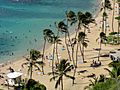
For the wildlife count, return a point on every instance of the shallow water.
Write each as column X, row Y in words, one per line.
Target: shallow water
column 22, row 22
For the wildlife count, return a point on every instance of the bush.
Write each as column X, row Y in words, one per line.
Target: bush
column 34, row 85
column 112, row 33
column 109, row 84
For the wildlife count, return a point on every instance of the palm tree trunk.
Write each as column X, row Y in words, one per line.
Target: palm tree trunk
column 76, row 33
column 53, row 58
column 81, row 52
column 103, row 24
column 105, row 20
column 57, row 47
column 57, row 52
column 74, row 75
column 67, row 47
column 68, row 33
column 76, row 54
column 44, row 49
column 73, row 63
column 62, row 83
column 113, row 16
column 77, row 30
column 30, row 70
column 73, row 56
column 69, row 38
column 99, row 51
column 43, row 55
column 118, row 23
column 84, row 30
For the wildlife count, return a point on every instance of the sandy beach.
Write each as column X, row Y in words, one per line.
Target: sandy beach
column 90, row 53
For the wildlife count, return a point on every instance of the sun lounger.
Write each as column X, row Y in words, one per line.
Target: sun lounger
column 82, row 71
column 91, row 76
column 95, row 65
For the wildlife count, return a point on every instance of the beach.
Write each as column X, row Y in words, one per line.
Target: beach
column 81, row 81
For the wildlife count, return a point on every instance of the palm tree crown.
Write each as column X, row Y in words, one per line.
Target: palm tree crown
column 61, row 70
column 33, row 62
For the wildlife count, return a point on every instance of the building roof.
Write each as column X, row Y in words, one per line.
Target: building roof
column 14, row 75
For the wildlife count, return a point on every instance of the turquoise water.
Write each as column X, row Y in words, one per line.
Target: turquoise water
column 22, row 22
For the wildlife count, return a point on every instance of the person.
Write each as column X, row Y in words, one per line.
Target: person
column 63, row 48
column 11, row 69
column 93, row 61
column 46, row 57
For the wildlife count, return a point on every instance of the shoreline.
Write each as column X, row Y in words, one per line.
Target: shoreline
column 17, row 59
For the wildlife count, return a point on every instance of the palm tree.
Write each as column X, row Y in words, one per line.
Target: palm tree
column 47, row 37
column 63, row 28
column 80, row 17
column 55, row 40
column 106, row 5
column 115, row 73
column 58, row 40
column 86, row 20
column 102, row 39
column 71, row 17
column 95, row 81
column 33, row 62
column 73, row 43
column 82, row 42
column 62, row 69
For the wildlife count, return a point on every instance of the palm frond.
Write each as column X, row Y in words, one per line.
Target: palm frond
column 87, row 87
column 58, row 82
column 41, row 63
column 37, row 67
column 68, row 76
column 26, row 63
column 50, row 73
column 29, row 68
column 53, row 78
column 91, row 83
column 110, row 72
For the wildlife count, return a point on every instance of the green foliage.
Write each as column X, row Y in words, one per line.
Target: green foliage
column 103, row 37
column 108, row 4
column 112, row 83
column 116, row 68
column 71, row 17
column 107, row 85
column 34, row 85
column 112, row 40
column 105, row 14
column 48, row 34
column 34, row 54
column 112, row 33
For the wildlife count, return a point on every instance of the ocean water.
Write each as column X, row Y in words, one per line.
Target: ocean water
column 22, row 22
